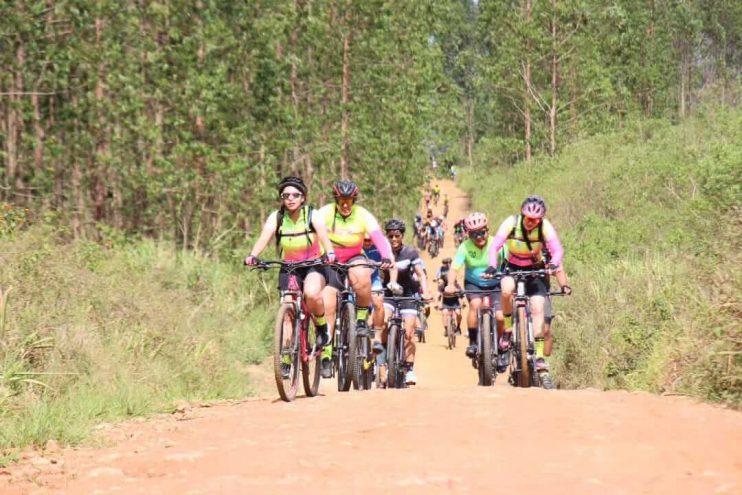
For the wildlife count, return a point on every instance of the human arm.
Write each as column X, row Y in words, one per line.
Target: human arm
column 269, row 229
column 499, row 240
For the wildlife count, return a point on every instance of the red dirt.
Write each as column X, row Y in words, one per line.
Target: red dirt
column 445, row 435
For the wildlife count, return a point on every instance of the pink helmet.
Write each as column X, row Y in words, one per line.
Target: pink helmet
column 533, row 207
column 475, row 221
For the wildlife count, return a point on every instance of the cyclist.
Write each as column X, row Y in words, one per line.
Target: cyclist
column 347, row 224
column 418, row 223
column 448, row 301
column 436, row 193
column 408, row 263
column 525, row 235
column 298, row 230
column 445, row 205
column 472, row 255
column 426, row 197
column 377, row 291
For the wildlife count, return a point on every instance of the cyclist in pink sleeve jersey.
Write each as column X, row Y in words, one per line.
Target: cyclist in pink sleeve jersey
column 526, row 234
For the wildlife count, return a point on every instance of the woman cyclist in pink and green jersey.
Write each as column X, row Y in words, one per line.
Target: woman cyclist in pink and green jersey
column 525, row 235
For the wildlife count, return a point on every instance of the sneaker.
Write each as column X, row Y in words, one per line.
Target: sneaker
column 323, row 338
column 542, row 365
column 546, row 382
column 326, row 371
column 504, row 343
column 471, row 351
column 377, row 347
column 285, row 371
column 361, row 328
column 410, row 378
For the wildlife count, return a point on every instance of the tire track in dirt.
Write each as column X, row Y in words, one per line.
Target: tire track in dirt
column 445, row 435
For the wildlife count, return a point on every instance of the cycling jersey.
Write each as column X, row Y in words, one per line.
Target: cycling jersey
column 510, row 234
column 297, row 241
column 475, row 261
column 347, row 233
column 406, row 260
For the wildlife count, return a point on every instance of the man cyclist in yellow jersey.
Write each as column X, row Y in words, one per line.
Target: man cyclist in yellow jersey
column 525, row 236
column 436, row 193
column 299, row 230
column 347, row 224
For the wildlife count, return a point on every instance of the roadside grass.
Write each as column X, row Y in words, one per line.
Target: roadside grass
column 650, row 218
column 91, row 333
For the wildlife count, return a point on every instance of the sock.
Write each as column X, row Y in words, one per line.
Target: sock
column 409, row 365
column 361, row 313
column 508, row 323
column 320, row 320
column 327, row 352
column 539, row 347
column 473, row 332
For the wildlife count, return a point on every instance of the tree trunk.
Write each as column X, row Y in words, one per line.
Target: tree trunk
column 470, row 130
column 526, row 96
column 345, row 122
column 100, row 164
column 554, row 82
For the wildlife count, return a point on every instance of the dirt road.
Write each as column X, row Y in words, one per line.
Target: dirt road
column 445, row 435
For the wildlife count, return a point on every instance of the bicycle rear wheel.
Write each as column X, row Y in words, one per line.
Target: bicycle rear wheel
column 286, row 352
column 451, row 331
column 524, row 375
column 359, row 354
column 310, row 370
column 485, row 365
column 343, row 348
column 394, row 377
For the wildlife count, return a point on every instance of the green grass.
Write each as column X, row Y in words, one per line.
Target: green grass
column 650, row 218
column 91, row 333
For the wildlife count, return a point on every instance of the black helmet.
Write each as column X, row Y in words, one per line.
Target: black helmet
column 345, row 189
column 292, row 181
column 395, row 224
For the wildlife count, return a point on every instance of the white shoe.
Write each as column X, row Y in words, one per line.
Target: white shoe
column 410, row 378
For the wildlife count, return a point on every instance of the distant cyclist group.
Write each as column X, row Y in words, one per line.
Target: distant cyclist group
column 339, row 271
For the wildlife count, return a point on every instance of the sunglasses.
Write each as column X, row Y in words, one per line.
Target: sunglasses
column 478, row 234
column 291, row 195
column 394, row 236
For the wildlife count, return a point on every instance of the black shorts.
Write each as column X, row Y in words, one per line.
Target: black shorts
column 406, row 308
column 337, row 276
column 494, row 293
column 535, row 286
column 301, row 275
column 450, row 303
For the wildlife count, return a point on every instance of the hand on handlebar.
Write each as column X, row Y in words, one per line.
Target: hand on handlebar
column 251, row 261
column 386, row 263
column 566, row 290
column 329, row 257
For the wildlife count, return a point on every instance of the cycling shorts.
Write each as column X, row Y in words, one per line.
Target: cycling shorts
column 494, row 294
column 408, row 309
column 301, row 275
column 337, row 277
column 450, row 303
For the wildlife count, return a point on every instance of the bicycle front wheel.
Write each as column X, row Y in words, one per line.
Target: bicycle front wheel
column 343, row 348
column 486, row 368
column 524, row 376
column 286, row 360
column 310, row 369
column 451, row 331
column 394, row 377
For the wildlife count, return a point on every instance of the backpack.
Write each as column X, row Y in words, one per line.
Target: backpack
column 519, row 220
column 306, row 210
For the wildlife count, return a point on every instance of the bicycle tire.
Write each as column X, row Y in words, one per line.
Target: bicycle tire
column 451, row 332
column 486, row 369
column 347, row 335
column 310, row 370
column 285, row 319
column 367, row 365
column 359, row 354
column 524, row 377
column 392, row 359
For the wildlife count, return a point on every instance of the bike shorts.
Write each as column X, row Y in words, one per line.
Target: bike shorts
column 494, row 294
column 535, row 286
column 301, row 275
column 408, row 309
column 450, row 303
column 337, row 277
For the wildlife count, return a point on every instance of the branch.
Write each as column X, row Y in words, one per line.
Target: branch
column 28, row 93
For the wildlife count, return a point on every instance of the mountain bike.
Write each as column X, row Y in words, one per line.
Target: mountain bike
column 434, row 246
column 346, row 357
column 294, row 336
column 420, row 331
column 487, row 351
column 523, row 360
column 449, row 322
column 395, row 343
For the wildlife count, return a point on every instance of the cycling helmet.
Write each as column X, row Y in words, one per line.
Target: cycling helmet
column 475, row 221
column 429, row 214
column 345, row 189
column 395, row 224
column 533, row 207
column 446, row 261
column 418, row 217
column 292, row 181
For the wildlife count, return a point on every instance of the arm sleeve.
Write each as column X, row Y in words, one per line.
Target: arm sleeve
column 499, row 240
column 382, row 244
column 459, row 258
column 553, row 244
